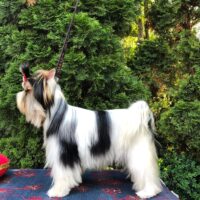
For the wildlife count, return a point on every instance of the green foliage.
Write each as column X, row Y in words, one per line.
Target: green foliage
column 177, row 105
column 181, row 174
column 187, row 52
column 153, row 63
column 171, row 17
column 114, row 13
column 151, row 54
column 23, row 145
column 10, row 10
column 189, row 89
column 180, row 126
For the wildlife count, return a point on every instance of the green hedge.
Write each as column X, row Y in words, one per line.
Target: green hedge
column 181, row 174
column 180, row 123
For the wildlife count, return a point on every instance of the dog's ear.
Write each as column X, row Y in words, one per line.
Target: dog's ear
column 51, row 74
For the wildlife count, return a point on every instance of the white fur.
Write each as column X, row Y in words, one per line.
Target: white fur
column 132, row 145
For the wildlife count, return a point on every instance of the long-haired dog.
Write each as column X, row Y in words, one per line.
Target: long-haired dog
column 76, row 139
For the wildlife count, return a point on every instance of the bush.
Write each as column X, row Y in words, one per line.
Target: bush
column 181, row 174
column 189, row 89
column 180, row 123
column 180, row 126
column 153, row 64
column 115, row 13
column 24, row 150
column 151, row 54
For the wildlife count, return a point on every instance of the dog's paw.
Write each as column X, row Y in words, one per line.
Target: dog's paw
column 147, row 193
column 58, row 192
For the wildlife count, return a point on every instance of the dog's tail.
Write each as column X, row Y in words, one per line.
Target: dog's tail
column 142, row 119
column 139, row 124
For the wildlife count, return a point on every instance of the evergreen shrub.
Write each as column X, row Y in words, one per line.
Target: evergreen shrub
column 153, row 63
column 180, row 123
column 181, row 174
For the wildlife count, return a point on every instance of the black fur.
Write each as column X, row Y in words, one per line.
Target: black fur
column 69, row 149
column 57, row 118
column 69, row 153
column 38, row 93
column 103, row 128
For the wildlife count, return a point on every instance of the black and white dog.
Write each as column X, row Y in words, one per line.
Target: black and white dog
column 76, row 139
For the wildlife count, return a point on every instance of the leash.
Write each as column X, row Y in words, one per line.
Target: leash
column 65, row 45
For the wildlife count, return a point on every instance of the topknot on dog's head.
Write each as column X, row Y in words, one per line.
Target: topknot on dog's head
column 24, row 68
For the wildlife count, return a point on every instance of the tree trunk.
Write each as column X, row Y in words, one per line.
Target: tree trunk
column 140, row 29
column 146, row 25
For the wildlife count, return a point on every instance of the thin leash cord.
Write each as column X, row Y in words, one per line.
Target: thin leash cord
column 65, row 45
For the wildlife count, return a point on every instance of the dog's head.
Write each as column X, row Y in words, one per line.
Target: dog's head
column 37, row 96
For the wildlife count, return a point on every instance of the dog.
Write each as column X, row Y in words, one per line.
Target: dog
column 76, row 139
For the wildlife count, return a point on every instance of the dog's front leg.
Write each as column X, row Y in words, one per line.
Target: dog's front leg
column 59, row 189
column 64, row 179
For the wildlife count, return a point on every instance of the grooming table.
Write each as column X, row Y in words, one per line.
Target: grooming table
column 32, row 184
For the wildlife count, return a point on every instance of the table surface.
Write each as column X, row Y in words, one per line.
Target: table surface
column 32, row 184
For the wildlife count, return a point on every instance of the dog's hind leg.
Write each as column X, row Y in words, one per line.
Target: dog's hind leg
column 142, row 157
column 143, row 168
